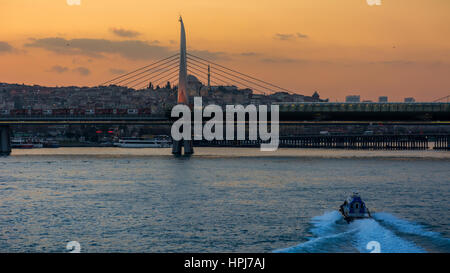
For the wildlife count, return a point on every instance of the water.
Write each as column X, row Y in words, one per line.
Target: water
column 222, row 200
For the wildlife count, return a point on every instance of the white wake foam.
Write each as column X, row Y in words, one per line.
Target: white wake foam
column 370, row 230
column 403, row 225
column 332, row 234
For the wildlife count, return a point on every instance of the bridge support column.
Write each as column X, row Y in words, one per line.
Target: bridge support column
column 177, row 147
column 5, row 140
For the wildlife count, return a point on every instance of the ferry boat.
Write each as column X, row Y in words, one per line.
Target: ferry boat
column 20, row 143
column 354, row 208
column 26, row 143
column 135, row 142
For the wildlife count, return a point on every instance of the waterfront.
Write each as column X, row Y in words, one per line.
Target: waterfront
column 222, row 200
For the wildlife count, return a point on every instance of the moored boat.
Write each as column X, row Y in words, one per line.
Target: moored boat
column 51, row 144
column 134, row 142
column 20, row 143
column 27, row 143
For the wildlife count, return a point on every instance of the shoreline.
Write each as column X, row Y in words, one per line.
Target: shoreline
column 221, row 152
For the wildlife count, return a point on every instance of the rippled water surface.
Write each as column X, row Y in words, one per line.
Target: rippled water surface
column 222, row 200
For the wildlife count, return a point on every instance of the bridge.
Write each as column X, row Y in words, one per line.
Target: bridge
column 174, row 70
column 290, row 113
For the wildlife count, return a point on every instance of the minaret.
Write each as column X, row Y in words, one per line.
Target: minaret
column 209, row 77
column 182, row 93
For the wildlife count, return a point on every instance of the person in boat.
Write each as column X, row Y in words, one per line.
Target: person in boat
column 354, row 208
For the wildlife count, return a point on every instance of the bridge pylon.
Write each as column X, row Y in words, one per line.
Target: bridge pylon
column 182, row 97
column 5, row 140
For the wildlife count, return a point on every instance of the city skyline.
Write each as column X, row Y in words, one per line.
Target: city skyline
column 398, row 49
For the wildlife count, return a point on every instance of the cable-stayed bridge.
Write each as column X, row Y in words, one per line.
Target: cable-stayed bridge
column 172, row 72
column 166, row 71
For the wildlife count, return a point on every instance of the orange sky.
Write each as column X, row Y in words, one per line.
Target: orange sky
column 338, row 47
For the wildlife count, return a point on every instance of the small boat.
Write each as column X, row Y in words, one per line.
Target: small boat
column 19, row 143
column 51, row 144
column 134, row 142
column 354, row 208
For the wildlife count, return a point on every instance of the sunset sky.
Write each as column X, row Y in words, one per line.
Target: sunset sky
column 337, row 47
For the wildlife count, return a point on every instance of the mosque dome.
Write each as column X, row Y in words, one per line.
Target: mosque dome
column 191, row 79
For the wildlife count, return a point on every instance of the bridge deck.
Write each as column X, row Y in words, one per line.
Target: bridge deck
column 167, row 122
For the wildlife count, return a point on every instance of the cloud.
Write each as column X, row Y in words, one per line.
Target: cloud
column 284, row 37
column 117, row 71
column 125, row 33
column 58, row 69
column 289, row 36
column 80, row 61
column 83, row 71
column 250, row 54
column 98, row 48
column 5, row 47
column 129, row 49
column 283, row 60
column 210, row 55
column 397, row 62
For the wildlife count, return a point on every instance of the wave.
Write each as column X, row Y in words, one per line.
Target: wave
column 332, row 234
column 410, row 228
column 403, row 225
column 369, row 230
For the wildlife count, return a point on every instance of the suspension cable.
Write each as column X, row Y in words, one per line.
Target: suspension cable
column 233, row 80
column 273, row 85
column 246, row 80
column 149, row 72
column 139, row 69
column 147, row 75
column 147, row 78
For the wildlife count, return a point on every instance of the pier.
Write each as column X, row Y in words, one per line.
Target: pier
column 442, row 143
column 355, row 142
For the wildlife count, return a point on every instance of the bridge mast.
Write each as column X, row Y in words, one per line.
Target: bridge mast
column 182, row 97
column 182, row 79
column 5, row 140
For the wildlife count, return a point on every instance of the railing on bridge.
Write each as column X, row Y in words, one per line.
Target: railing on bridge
column 351, row 142
column 363, row 107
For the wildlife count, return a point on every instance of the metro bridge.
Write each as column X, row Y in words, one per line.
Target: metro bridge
column 290, row 113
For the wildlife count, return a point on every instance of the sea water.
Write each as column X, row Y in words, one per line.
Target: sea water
column 222, row 200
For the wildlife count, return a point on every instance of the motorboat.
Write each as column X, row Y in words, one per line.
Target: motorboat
column 354, row 208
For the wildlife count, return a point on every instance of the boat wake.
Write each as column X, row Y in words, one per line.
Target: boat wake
column 332, row 234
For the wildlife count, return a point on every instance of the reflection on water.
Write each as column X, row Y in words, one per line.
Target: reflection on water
column 221, row 199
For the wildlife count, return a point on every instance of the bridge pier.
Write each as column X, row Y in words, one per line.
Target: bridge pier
column 177, row 147
column 5, row 141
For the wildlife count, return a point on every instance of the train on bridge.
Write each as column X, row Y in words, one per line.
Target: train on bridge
column 338, row 111
column 75, row 112
column 289, row 111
